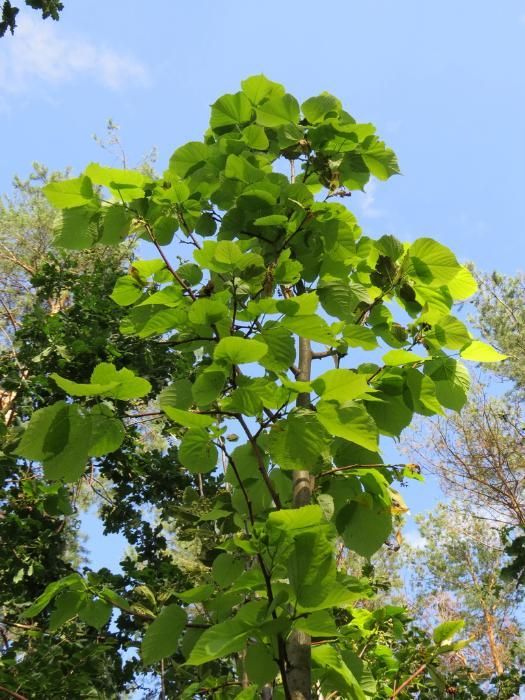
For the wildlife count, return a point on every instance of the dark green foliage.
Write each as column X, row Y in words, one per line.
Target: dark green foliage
column 49, row 8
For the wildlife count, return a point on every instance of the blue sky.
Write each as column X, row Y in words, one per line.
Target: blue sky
column 443, row 82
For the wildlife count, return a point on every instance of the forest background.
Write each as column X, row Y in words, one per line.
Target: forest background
column 443, row 86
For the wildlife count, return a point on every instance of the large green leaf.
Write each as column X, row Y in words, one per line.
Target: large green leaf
column 257, row 88
column 336, row 672
column 63, row 436
column 478, row 351
column 312, row 569
column 298, row 442
column 219, row 641
column 230, row 110
column 278, row 111
column 162, row 636
column 260, row 665
column 66, row 608
column 281, row 348
column 238, row 351
column 351, row 422
column 226, row 569
column 402, row 357
column 197, row 452
column 311, row 327
column 341, row 385
column 106, row 380
column 432, row 263
column 76, row 229
column 187, row 157
column 315, row 109
column 73, row 581
column 364, row 527
column 75, row 192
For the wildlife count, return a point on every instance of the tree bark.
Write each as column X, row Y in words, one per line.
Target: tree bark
column 299, row 674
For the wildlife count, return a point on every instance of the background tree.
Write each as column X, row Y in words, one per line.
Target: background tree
column 455, row 572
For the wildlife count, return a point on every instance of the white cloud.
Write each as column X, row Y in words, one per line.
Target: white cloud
column 368, row 208
column 40, row 52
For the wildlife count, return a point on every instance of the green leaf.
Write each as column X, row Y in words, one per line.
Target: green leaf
column 337, row 299
column 350, row 422
column 178, row 394
column 299, row 441
column 337, row 672
column 188, row 157
column 72, row 581
column 317, row 624
column 311, row 568
column 452, row 381
column 255, row 137
column 257, row 88
column 206, row 312
column 402, row 357
column 278, row 111
column 380, row 160
column 390, row 413
column 281, row 348
column 226, row 569
column 451, row 333
column 271, row 220
column 129, row 183
column 297, row 519
column 364, row 527
column 126, row 291
column 75, row 229
column 360, row 337
column 478, row 351
column 106, row 380
column 312, row 327
column 315, row 109
column 446, row 630
column 431, row 263
column 95, row 613
column 341, row 385
column 197, row 595
column 238, row 351
column 260, row 665
column 59, row 437
column 162, row 636
column 230, row 110
column 463, row 285
column 187, row 419
column 228, row 253
column 66, row 608
column 65, row 194
column 208, row 385
column 107, row 432
column 197, row 452
column 218, row 641
column 116, row 225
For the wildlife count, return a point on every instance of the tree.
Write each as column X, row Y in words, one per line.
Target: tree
column 281, row 281
column 49, row 8
column 456, row 573
column 500, row 315
column 478, row 455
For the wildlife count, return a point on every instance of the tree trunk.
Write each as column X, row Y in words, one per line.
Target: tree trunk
column 299, row 674
column 489, row 620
